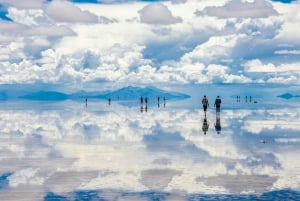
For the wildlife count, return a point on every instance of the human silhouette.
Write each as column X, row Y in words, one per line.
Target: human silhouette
column 141, row 109
column 109, row 101
column 146, row 101
column 205, row 125
column 218, row 126
column 142, row 100
column 250, row 99
column 205, row 104
column 85, row 102
column 146, row 108
column 158, row 102
column 218, row 104
column 164, row 101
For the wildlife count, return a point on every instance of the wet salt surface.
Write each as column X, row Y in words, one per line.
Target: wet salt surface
column 66, row 151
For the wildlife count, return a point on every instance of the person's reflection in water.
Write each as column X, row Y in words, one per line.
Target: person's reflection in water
column 218, row 126
column 142, row 101
column 146, row 108
column 205, row 125
column 141, row 109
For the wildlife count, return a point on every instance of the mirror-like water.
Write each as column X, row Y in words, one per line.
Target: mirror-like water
column 66, row 151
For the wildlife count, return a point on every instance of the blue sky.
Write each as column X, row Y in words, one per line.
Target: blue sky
column 149, row 42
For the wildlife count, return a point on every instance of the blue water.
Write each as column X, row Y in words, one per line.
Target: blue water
column 69, row 151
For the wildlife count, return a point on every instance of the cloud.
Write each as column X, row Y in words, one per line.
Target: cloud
column 240, row 9
column 28, row 4
column 293, row 52
column 158, row 13
column 49, row 31
column 257, row 66
column 71, row 13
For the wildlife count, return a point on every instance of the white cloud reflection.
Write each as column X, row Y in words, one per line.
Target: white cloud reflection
column 121, row 148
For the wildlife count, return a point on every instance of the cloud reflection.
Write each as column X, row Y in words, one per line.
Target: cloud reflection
column 119, row 148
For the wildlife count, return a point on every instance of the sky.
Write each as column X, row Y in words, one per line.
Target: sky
column 124, row 42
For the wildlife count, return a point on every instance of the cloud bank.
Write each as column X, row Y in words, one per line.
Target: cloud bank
column 152, row 42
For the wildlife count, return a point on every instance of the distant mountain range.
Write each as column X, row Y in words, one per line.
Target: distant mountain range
column 126, row 93
column 288, row 96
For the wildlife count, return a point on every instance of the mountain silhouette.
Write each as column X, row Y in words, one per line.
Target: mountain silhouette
column 126, row 93
column 288, row 96
column 134, row 93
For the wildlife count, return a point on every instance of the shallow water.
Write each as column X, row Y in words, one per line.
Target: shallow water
column 66, row 151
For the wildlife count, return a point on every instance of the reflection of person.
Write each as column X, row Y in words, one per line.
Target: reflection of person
column 218, row 103
column 218, row 123
column 205, row 104
column 205, row 125
column 142, row 108
column 164, row 101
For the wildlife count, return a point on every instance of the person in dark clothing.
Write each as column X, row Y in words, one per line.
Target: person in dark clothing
column 205, row 104
column 146, row 101
column 142, row 100
column 218, row 103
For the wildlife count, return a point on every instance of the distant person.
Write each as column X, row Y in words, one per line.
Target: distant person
column 158, row 105
column 109, row 101
column 218, row 123
column 85, row 102
column 142, row 109
column 142, row 100
column 164, row 101
column 218, row 103
column 250, row 99
column 146, row 101
column 205, row 104
column 205, row 125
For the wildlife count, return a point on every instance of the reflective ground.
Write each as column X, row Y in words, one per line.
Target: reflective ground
column 122, row 151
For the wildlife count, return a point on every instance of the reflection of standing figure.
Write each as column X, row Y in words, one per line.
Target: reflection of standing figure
column 146, row 108
column 164, row 101
column 205, row 125
column 205, row 104
column 218, row 126
column 218, row 103
column 141, row 108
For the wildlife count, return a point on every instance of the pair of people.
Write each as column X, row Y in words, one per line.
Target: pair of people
column 217, row 104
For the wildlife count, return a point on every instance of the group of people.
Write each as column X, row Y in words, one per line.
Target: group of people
column 142, row 100
column 217, row 105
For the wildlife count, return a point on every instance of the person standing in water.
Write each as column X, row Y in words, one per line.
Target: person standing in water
column 218, row 104
column 205, row 104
